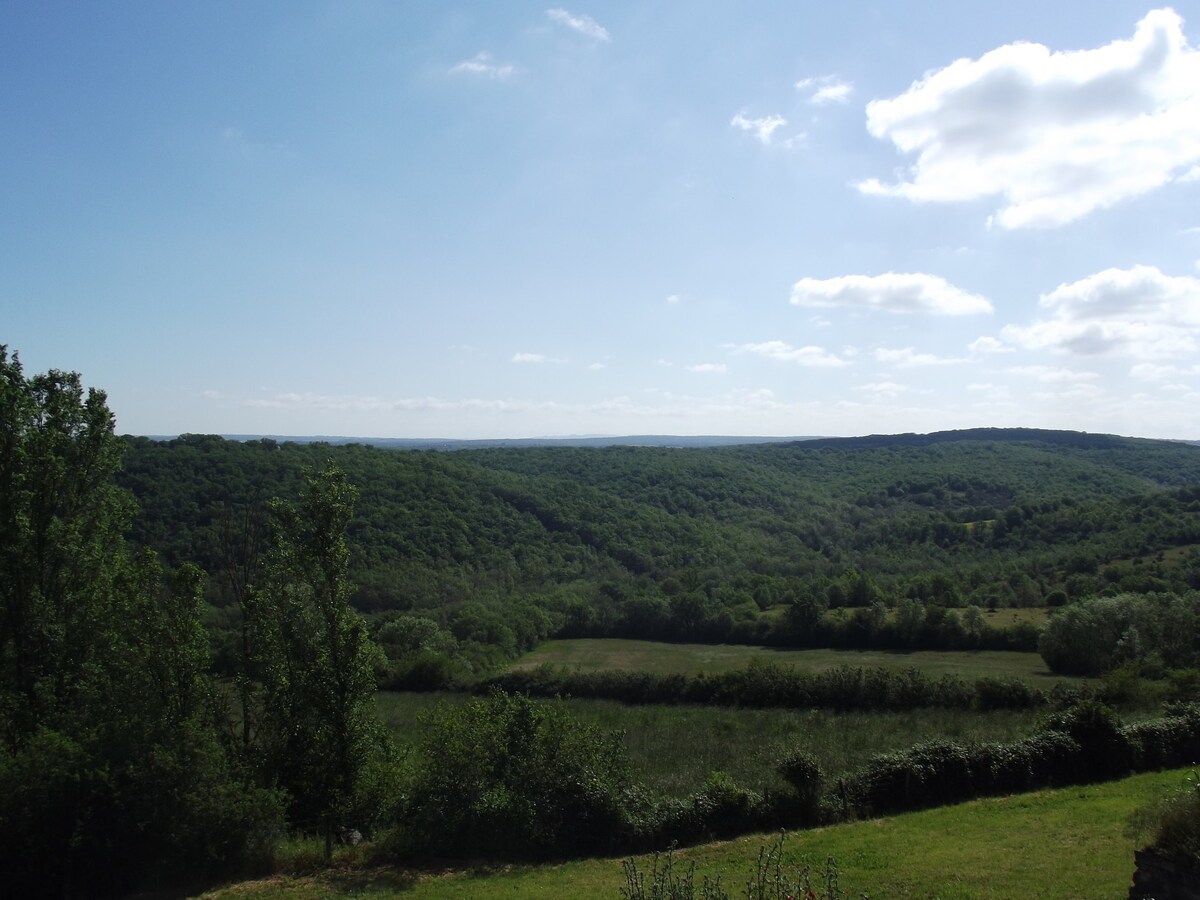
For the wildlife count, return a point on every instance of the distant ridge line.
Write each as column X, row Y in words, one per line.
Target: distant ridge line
column 1079, row 439
column 1058, row 437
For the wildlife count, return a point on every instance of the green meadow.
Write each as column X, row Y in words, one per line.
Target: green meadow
column 1070, row 843
column 599, row 654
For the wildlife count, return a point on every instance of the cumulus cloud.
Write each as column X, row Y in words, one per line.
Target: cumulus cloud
column 825, row 89
column 483, row 65
column 1056, row 135
column 1135, row 312
column 582, row 24
column 816, row 357
column 708, row 368
column 893, row 292
column 673, row 299
column 597, row 366
column 534, row 358
column 908, row 358
column 762, row 128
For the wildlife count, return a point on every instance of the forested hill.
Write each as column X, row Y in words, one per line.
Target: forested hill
column 638, row 539
column 1080, row 439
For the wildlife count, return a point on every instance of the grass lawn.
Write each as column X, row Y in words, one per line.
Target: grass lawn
column 673, row 749
column 1069, row 843
column 597, row 654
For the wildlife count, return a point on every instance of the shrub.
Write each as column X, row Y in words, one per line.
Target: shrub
column 510, row 775
column 803, row 774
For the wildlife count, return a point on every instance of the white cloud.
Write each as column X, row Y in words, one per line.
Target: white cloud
column 825, row 89
column 597, row 366
column 893, row 292
column 987, row 344
column 816, row 357
column 708, row 368
column 908, row 358
column 886, row 390
column 1049, row 375
column 762, row 128
column 673, row 299
column 1137, row 312
column 1153, row 372
column 1056, row 135
column 1191, row 175
column 585, row 25
column 482, row 64
column 534, row 358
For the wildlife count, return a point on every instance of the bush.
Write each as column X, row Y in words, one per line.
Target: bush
column 508, row 775
column 803, row 774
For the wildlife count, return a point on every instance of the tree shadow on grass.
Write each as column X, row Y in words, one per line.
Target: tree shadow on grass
column 381, row 879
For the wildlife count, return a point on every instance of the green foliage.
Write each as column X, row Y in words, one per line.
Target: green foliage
column 1178, row 831
column 765, row 685
column 1098, row 634
column 802, row 772
column 504, row 547
column 507, row 775
column 111, row 777
column 315, row 659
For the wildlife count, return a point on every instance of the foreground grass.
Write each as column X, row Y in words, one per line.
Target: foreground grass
column 600, row 654
column 673, row 749
column 1069, row 843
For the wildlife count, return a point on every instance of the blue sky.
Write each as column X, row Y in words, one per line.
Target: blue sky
column 438, row 219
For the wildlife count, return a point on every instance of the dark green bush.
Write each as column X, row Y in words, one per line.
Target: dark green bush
column 802, row 772
column 508, row 775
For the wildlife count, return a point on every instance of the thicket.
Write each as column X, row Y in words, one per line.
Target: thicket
column 1155, row 632
column 764, row 685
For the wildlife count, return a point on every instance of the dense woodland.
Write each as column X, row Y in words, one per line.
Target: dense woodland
column 192, row 632
column 464, row 560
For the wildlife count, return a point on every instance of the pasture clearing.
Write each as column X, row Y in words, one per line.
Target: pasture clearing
column 600, row 654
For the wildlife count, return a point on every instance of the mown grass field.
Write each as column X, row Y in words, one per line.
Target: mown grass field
column 598, row 654
column 673, row 749
column 1054, row 845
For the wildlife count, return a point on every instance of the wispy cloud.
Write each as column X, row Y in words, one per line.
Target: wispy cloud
column 908, row 358
column 483, row 65
column 674, row 299
column 580, row 23
column 1055, row 135
column 1052, row 375
column 824, row 89
column 893, row 292
column 816, row 357
column 762, row 128
column 534, row 358
column 708, row 368
column 987, row 345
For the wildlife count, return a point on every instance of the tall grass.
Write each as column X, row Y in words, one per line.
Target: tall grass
column 673, row 749
column 601, row 654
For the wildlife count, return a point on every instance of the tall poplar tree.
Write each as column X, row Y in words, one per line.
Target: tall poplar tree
column 315, row 657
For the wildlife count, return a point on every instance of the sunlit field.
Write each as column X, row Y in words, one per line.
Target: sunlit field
column 591, row 655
